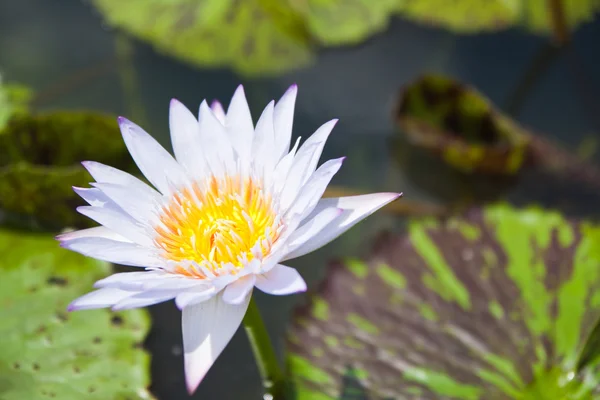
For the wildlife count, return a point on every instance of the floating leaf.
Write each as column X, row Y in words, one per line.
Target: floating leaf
column 461, row 126
column 473, row 16
column 46, row 352
column 252, row 36
column 492, row 305
column 40, row 160
column 336, row 22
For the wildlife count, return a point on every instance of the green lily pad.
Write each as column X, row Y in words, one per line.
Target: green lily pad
column 252, row 36
column 40, row 159
column 496, row 304
column 461, row 126
column 46, row 352
column 473, row 16
column 338, row 22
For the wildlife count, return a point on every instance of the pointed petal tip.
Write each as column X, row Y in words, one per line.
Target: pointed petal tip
column 191, row 385
column 72, row 307
column 215, row 103
column 240, row 88
column 174, row 101
column 122, row 120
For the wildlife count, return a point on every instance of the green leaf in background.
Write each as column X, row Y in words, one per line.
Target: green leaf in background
column 473, row 16
column 13, row 100
column 338, row 22
column 46, row 352
column 463, row 16
column 495, row 304
column 535, row 15
column 461, row 126
column 252, row 36
column 40, row 158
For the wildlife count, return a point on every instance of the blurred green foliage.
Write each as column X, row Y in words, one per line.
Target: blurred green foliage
column 271, row 36
column 46, row 352
column 40, row 158
column 495, row 304
column 461, row 126
column 13, row 100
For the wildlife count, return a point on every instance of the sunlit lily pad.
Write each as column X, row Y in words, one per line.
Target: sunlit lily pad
column 46, row 352
column 252, row 36
column 461, row 125
column 40, row 160
column 472, row 16
column 337, row 22
column 495, row 304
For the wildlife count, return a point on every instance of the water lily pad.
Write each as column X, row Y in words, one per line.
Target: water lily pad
column 461, row 126
column 495, row 304
column 40, row 159
column 46, row 352
column 473, row 16
column 337, row 22
column 252, row 36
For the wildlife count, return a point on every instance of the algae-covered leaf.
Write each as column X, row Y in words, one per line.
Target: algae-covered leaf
column 495, row 304
column 337, row 22
column 252, row 36
column 473, row 16
column 461, row 126
column 46, row 352
column 464, row 16
column 40, row 158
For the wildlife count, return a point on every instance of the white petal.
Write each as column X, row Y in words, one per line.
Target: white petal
column 215, row 142
column 308, row 155
column 313, row 190
column 142, row 209
column 239, row 125
column 263, row 156
column 193, row 297
column 312, row 227
column 283, row 119
column 185, row 137
column 319, row 138
column 99, row 299
column 217, row 109
column 292, row 183
column 236, row 292
column 207, row 329
column 96, row 198
column 105, row 174
column 281, row 280
column 96, row 232
column 117, row 220
column 130, row 280
column 114, row 251
column 356, row 208
column 157, row 165
column 144, row 299
column 283, row 168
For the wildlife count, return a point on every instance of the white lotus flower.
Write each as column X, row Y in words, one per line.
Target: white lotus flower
column 232, row 205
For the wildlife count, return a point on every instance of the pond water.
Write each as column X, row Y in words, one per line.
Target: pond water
column 63, row 51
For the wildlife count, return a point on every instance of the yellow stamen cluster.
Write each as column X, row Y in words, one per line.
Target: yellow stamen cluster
column 215, row 223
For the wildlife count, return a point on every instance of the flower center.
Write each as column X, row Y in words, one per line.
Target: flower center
column 218, row 224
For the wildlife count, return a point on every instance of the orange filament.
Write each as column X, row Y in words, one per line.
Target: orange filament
column 215, row 223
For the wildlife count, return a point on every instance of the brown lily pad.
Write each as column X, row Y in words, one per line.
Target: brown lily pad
column 495, row 304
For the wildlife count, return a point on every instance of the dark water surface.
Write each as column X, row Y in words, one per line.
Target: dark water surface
column 62, row 50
